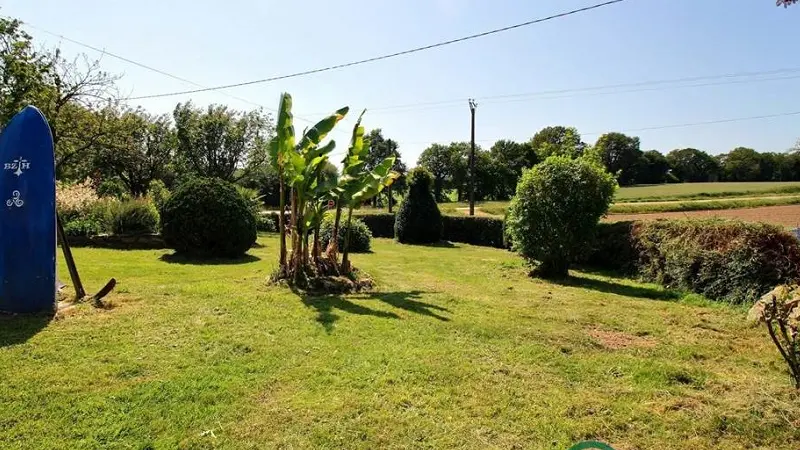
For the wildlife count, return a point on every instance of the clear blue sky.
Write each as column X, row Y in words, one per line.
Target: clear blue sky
column 638, row 40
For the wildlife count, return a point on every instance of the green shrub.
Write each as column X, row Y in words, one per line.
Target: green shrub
column 207, row 217
column 723, row 260
column 158, row 191
column 83, row 226
column 267, row 222
column 360, row 235
column 112, row 187
column 138, row 216
column 419, row 221
column 484, row 231
column 380, row 224
column 554, row 214
column 103, row 212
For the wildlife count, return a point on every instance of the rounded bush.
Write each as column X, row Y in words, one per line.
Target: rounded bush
column 207, row 217
column 360, row 235
column 553, row 217
column 137, row 216
column 419, row 221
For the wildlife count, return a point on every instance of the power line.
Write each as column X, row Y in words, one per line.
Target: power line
column 386, row 56
column 150, row 68
column 524, row 96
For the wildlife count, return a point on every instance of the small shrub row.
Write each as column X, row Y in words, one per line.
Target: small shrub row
column 109, row 215
column 723, row 260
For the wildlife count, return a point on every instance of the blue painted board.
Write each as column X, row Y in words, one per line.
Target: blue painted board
column 27, row 214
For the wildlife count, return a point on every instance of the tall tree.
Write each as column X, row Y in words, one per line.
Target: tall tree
column 558, row 140
column 219, row 141
column 652, row 168
column 510, row 158
column 741, row 164
column 448, row 164
column 381, row 148
column 143, row 153
column 692, row 165
column 619, row 154
column 73, row 95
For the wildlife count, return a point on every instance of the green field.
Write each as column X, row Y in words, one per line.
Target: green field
column 456, row 348
column 686, row 191
column 669, row 197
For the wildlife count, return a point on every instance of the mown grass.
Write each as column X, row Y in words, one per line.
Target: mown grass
column 457, row 348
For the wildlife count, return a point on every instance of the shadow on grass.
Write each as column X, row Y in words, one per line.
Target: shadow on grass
column 17, row 329
column 327, row 305
column 612, row 287
column 177, row 258
column 408, row 301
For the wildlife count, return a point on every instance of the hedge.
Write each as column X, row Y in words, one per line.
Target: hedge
column 724, row 260
column 483, row 231
column 381, row 224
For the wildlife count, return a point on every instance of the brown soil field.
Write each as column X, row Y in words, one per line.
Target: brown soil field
column 788, row 216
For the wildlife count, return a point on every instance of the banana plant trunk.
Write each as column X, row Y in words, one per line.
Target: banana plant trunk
column 346, row 251
column 282, row 223
column 333, row 245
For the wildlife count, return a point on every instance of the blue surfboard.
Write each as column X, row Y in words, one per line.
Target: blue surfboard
column 27, row 214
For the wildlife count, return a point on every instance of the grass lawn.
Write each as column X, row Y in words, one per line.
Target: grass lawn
column 457, row 348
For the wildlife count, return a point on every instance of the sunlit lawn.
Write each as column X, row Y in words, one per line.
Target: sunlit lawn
column 457, row 348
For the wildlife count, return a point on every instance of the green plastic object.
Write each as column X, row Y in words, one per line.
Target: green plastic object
column 585, row 445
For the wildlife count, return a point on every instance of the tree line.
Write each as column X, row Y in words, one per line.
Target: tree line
column 498, row 169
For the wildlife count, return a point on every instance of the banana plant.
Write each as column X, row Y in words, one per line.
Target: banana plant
column 299, row 166
column 279, row 150
column 363, row 187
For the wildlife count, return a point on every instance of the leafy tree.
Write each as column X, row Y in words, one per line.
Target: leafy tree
column 419, row 220
column 143, row 153
column 558, row 141
column 785, row 3
column 218, row 141
column 73, row 95
column 553, row 217
column 380, row 149
column 448, row 165
column 510, row 158
column 652, row 168
column 692, row 165
column 741, row 164
column 620, row 155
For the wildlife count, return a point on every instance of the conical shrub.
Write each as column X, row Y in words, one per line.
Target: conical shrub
column 419, row 221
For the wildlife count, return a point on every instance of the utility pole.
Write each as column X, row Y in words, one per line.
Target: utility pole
column 472, row 107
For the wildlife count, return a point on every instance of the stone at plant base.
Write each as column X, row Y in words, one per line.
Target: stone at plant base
column 27, row 215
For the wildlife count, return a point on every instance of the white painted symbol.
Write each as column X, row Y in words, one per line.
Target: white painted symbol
column 15, row 200
column 18, row 166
